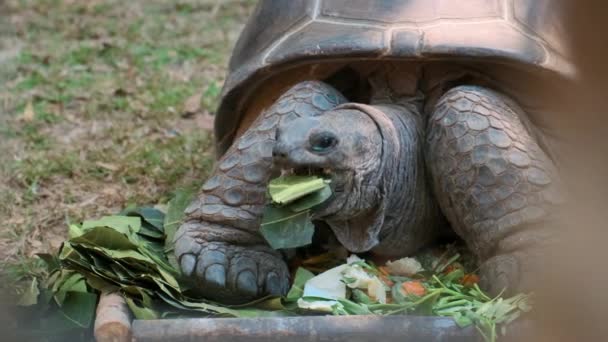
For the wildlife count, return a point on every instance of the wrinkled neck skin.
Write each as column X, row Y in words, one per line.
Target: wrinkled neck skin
column 390, row 210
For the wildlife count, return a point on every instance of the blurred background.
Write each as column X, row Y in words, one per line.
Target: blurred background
column 572, row 295
column 104, row 103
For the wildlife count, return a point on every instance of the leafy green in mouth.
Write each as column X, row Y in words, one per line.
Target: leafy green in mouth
column 287, row 219
column 285, row 190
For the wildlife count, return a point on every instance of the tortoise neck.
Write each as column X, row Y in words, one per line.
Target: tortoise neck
column 412, row 214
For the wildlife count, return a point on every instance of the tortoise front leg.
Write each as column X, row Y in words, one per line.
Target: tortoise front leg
column 494, row 182
column 219, row 244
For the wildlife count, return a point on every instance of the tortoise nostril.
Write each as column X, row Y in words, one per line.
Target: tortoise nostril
column 279, row 152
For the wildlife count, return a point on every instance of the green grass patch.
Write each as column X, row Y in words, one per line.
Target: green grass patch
column 107, row 81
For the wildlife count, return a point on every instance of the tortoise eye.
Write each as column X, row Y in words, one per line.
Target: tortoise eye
column 322, row 142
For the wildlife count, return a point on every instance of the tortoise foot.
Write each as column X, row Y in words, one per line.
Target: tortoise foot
column 232, row 273
column 516, row 271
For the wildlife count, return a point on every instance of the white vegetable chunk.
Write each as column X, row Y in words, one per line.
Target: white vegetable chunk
column 404, row 267
column 317, row 305
column 327, row 284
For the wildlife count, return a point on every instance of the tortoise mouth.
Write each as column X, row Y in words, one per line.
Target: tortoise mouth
column 310, row 171
column 332, row 175
column 337, row 182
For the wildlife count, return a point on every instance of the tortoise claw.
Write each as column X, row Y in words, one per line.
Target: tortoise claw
column 246, row 283
column 215, row 276
column 187, row 263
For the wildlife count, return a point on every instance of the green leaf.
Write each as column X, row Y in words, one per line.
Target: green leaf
column 74, row 231
column 172, row 259
column 168, row 278
column 354, row 308
column 134, row 256
column 297, row 289
column 153, row 216
column 106, row 237
column 287, row 189
column 312, row 200
column 285, row 229
column 79, row 308
column 74, row 282
column 51, row 261
column 462, row 320
column 140, row 311
column 122, row 224
column 361, row 297
column 175, row 214
column 453, row 276
column 67, row 252
column 30, row 295
column 99, row 284
column 190, row 304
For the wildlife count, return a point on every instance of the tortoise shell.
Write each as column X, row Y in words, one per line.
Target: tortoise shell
column 283, row 34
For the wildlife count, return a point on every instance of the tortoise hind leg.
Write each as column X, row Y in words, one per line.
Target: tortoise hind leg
column 219, row 244
column 494, row 183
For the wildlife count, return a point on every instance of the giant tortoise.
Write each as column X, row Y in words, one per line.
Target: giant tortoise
column 429, row 116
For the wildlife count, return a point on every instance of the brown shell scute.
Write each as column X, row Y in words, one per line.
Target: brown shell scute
column 270, row 21
column 407, row 12
column 329, row 39
column 283, row 34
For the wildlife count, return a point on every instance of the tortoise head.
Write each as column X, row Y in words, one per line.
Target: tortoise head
column 344, row 145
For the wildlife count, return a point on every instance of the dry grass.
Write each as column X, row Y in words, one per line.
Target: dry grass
column 92, row 103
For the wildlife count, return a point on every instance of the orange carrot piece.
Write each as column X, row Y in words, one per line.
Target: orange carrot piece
column 413, row 287
column 470, row 280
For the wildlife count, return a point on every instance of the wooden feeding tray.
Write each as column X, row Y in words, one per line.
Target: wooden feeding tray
column 304, row 328
column 113, row 324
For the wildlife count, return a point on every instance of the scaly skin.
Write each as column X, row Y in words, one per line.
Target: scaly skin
column 219, row 244
column 494, row 182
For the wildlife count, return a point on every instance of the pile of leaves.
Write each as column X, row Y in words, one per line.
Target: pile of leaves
column 131, row 253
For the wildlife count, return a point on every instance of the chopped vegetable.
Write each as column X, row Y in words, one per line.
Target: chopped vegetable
column 414, row 288
column 404, row 267
column 377, row 290
column 317, row 305
column 356, row 278
column 327, row 284
column 284, row 190
column 469, row 280
column 448, row 291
